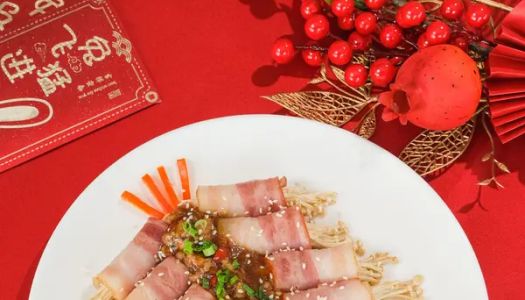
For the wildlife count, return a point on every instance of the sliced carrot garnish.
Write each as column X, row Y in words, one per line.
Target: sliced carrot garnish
column 184, row 178
column 150, row 211
column 148, row 181
column 174, row 201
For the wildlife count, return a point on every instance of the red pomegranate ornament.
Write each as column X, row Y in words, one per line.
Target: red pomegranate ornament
column 436, row 88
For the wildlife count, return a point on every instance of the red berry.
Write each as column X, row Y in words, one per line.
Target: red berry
column 345, row 23
column 477, row 14
column 422, row 41
column 283, row 51
column 461, row 42
column 375, row 4
column 397, row 60
column 340, row 53
column 342, row 8
column 452, row 9
column 312, row 58
column 382, row 72
column 317, row 27
column 411, row 14
column 359, row 42
column 437, row 32
column 365, row 23
column 310, row 8
column 390, row 36
column 355, row 75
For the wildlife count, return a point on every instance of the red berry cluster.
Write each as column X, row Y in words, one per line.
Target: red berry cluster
column 389, row 31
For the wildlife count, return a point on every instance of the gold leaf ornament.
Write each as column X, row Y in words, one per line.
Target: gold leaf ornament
column 367, row 127
column 432, row 150
column 328, row 107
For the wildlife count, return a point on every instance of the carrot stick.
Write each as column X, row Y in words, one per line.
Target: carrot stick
column 141, row 205
column 174, row 201
column 148, row 181
column 184, row 179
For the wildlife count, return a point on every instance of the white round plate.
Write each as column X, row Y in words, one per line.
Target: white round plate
column 387, row 205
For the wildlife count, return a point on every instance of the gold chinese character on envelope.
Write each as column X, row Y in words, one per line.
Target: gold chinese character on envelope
column 67, row 68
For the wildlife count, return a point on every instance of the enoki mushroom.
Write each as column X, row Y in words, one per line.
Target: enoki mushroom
column 312, row 204
column 371, row 269
column 326, row 236
column 103, row 293
column 400, row 290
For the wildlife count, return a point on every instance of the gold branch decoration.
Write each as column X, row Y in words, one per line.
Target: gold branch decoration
column 432, row 150
column 327, row 107
column 330, row 107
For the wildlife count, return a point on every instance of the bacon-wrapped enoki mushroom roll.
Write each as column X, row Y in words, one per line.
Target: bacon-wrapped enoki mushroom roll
column 196, row 292
column 309, row 268
column 285, row 229
column 354, row 289
column 252, row 198
column 167, row 281
column 117, row 280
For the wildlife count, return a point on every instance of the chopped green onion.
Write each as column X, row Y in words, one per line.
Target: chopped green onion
column 201, row 224
column 187, row 247
column 235, row 264
column 261, row 295
column 223, row 276
column 189, row 229
column 205, row 282
column 249, row 291
column 210, row 250
column 233, row 280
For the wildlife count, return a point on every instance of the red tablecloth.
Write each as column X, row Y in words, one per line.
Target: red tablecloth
column 211, row 59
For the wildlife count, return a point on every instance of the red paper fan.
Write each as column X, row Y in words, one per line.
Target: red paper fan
column 506, row 83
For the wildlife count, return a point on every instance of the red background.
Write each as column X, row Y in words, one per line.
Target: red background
column 211, row 59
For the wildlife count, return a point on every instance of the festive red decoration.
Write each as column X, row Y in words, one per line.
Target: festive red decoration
column 390, row 36
column 411, row 14
column 355, row 75
column 359, row 42
column 436, row 88
column 312, row 58
column 452, row 9
column 422, row 41
column 317, row 27
column 375, row 4
column 340, row 53
column 346, row 23
column 310, row 8
column 382, row 72
column 477, row 14
column 506, row 83
column 438, row 32
column 342, row 8
column 283, row 51
column 365, row 23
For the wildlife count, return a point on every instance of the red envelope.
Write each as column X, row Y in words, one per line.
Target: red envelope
column 67, row 68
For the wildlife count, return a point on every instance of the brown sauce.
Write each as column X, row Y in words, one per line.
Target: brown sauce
column 228, row 272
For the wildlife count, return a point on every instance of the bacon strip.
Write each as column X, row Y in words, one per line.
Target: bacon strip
column 133, row 263
column 309, row 268
column 344, row 290
column 252, row 198
column 167, row 281
column 281, row 230
column 196, row 292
